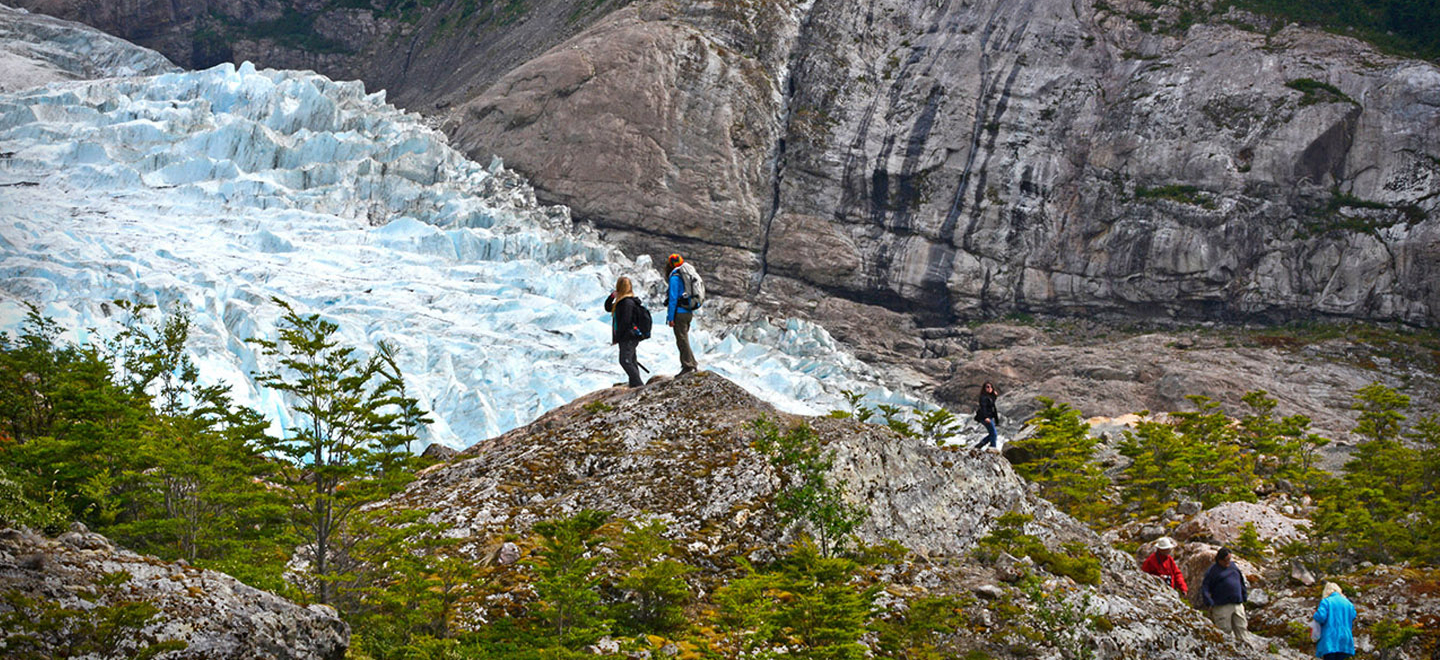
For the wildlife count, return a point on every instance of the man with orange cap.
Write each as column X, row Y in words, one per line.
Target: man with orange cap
column 677, row 314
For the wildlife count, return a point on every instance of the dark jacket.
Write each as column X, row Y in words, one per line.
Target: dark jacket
column 1223, row 585
column 987, row 409
column 623, row 319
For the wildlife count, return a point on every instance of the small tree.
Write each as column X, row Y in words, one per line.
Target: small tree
column 1061, row 448
column 939, row 425
column 335, row 460
column 567, row 580
column 805, row 489
column 653, row 582
column 807, row 603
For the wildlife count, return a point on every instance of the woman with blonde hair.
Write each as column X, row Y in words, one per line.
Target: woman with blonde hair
column 622, row 305
column 1335, row 621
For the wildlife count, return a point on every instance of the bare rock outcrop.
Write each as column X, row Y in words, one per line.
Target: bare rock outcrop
column 215, row 615
column 1225, row 523
column 37, row 49
column 681, row 450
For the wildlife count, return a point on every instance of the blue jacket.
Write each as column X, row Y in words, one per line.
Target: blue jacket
column 1223, row 586
column 1336, row 617
column 677, row 289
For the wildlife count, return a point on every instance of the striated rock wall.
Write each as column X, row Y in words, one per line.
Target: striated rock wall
column 37, row 49
column 956, row 160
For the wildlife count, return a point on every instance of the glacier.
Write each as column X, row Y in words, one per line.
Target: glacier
column 215, row 190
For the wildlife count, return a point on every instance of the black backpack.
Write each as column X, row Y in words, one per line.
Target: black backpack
column 641, row 320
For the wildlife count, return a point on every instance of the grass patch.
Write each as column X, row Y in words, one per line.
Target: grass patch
column 1184, row 194
column 1315, row 91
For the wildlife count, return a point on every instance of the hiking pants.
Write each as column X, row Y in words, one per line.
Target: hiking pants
column 1230, row 619
column 629, row 362
column 682, row 341
column 989, row 439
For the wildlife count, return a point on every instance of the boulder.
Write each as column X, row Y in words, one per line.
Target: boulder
column 214, row 615
column 1223, row 524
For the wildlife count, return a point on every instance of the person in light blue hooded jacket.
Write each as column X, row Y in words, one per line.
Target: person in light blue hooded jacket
column 1335, row 619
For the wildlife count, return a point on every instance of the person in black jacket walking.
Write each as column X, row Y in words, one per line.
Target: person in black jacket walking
column 621, row 304
column 987, row 414
column 1224, row 592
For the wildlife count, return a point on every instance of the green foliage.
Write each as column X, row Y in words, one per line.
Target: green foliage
column 18, row 510
column 807, row 602
column 344, row 453
column 653, row 582
column 1287, row 441
column 42, row 629
column 805, row 491
column 1075, row 562
column 895, row 417
column 1061, row 463
column 938, row 426
column 567, row 582
column 1389, row 634
column 1250, row 544
column 406, row 585
column 918, row 632
column 1315, row 91
column 1384, row 506
column 1406, row 27
column 1196, row 455
column 1061, row 619
column 858, row 410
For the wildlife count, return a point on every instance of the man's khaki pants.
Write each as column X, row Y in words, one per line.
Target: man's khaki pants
column 682, row 341
column 1230, row 619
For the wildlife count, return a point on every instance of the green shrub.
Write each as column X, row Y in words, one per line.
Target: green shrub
column 1062, row 450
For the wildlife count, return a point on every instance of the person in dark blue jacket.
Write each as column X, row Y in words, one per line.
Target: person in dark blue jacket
column 987, row 415
column 1335, row 619
column 678, row 316
column 1224, row 592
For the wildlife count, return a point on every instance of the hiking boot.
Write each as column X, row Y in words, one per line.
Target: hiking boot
column 686, row 370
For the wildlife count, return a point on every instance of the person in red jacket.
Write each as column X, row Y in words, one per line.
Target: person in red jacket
column 1161, row 563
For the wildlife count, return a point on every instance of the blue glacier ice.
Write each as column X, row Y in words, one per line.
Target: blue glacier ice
column 219, row 189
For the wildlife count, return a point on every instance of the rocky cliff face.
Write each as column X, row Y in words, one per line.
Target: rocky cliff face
column 37, row 49
column 427, row 55
column 680, row 450
column 961, row 159
column 917, row 164
column 213, row 614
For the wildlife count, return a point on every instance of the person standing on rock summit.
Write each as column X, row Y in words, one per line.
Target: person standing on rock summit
column 987, row 415
column 1161, row 563
column 686, row 292
column 1223, row 591
column 1335, row 621
column 624, row 309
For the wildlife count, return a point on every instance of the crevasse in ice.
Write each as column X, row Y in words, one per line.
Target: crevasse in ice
column 219, row 189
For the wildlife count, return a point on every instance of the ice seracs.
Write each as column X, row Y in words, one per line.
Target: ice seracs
column 216, row 190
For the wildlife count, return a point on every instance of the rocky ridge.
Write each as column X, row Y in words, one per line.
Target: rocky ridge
column 215, row 615
column 680, row 450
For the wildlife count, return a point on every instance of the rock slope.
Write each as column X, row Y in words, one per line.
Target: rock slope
column 215, row 615
column 681, row 450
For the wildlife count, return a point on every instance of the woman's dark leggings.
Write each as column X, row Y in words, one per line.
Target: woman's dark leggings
column 989, row 439
column 630, row 363
column 1336, row 656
